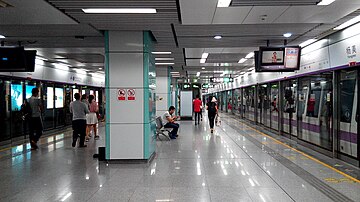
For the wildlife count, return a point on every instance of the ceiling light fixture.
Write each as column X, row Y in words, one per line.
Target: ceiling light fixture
column 224, row 3
column 119, row 10
column 250, row 55
column 164, row 63
column 325, row 2
column 100, row 68
column 287, row 35
column 161, row 53
column 164, row 58
column 217, row 37
column 2, row 37
column 198, row 74
column 204, row 55
column 348, row 23
column 242, row 60
column 203, row 68
column 307, row 42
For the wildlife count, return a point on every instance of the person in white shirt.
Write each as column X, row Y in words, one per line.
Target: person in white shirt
column 169, row 119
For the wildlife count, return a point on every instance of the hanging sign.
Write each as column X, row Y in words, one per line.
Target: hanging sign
column 121, row 94
column 131, row 94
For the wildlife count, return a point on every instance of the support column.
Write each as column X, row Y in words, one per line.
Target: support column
column 130, row 117
column 163, row 92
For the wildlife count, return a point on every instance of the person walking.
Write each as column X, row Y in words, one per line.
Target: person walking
column 35, row 124
column 197, row 104
column 212, row 111
column 91, row 118
column 79, row 111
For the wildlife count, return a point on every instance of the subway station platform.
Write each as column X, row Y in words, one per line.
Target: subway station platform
column 236, row 163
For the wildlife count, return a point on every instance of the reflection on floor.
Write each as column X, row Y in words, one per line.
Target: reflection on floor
column 233, row 164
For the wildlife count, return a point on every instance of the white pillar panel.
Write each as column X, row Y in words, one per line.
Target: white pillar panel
column 127, row 122
column 162, row 90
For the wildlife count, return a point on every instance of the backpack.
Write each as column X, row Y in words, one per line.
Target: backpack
column 212, row 107
column 26, row 110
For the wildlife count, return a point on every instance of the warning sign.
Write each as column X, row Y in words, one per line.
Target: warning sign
column 131, row 94
column 122, row 94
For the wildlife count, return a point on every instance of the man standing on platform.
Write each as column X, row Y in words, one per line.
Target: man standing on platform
column 79, row 111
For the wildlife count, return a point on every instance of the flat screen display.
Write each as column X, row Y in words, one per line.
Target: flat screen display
column 50, row 98
column 59, row 95
column 16, row 97
column 278, row 59
column 16, row 59
column 28, row 89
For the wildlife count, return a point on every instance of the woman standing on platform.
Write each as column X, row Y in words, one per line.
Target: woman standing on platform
column 91, row 118
column 212, row 108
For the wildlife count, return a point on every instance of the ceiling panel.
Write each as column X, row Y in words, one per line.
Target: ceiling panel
column 231, row 15
column 264, row 14
column 272, row 2
column 197, row 12
column 27, row 12
column 298, row 14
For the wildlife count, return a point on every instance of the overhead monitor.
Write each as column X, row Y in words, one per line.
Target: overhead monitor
column 16, row 59
column 278, row 59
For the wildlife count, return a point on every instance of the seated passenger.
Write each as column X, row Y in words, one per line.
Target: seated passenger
column 169, row 119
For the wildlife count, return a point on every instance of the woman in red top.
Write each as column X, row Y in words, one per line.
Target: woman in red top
column 197, row 109
column 91, row 118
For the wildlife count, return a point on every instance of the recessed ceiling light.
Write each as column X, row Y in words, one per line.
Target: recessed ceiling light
column 198, row 74
column 217, row 37
column 2, row 37
column 287, row 35
column 224, row 3
column 348, row 23
column 119, row 10
column 242, row 60
column 161, row 53
column 203, row 68
column 307, row 42
column 100, row 68
column 164, row 63
column 325, row 2
column 164, row 58
column 203, row 60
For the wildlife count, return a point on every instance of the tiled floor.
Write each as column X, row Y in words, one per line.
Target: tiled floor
column 198, row 166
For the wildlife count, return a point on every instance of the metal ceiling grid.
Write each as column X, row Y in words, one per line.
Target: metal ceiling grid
column 159, row 23
column 273, row 2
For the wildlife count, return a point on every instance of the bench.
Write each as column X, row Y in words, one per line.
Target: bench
column 160, row 130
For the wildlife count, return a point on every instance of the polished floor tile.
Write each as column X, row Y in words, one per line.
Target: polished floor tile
column 199, row 166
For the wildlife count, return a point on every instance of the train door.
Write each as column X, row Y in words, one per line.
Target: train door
column 237, row 102
column 29, row 86
column 229, row 102
column 288, row 108
column 348, row 114
column 5, row 111
column 274, row 109
column 262, row 104
column 249, row 102
column 315, row 109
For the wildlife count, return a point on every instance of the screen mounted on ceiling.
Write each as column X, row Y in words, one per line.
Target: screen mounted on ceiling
column 278, row 59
